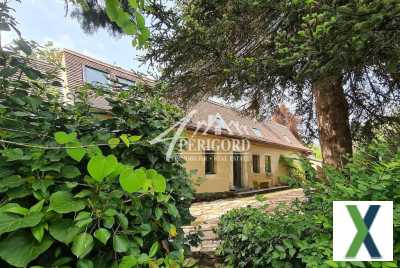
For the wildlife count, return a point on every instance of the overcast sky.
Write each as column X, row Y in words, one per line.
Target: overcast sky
column 44, row 20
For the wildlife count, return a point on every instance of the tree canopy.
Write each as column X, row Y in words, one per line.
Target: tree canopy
column 117, row 16
column 343, row 52
column 337, row 61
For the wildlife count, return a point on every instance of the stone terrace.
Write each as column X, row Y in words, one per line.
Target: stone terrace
column 207, row 213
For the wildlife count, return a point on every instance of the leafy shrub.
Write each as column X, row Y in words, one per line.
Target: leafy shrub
column 85, row 188
column 301, row 235
column 298, row 170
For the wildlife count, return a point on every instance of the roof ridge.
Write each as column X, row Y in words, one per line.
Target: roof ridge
column 277, row 124
column 42, row 61
column 237, row 110
column 222, row 105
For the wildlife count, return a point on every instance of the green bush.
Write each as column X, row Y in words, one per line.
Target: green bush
column 301, row 235
column 298, row 170
column 85, row 188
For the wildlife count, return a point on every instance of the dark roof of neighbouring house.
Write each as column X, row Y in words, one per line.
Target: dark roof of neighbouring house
column 235, row 124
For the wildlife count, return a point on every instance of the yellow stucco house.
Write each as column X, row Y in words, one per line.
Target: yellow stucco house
column 230, row 151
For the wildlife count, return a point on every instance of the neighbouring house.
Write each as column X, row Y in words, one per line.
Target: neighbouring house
column 80, row 69
column 228, row 150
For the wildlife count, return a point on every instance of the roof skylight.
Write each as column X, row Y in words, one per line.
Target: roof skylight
column 257, row 131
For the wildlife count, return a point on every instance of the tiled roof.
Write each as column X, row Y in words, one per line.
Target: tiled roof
column 216, row 118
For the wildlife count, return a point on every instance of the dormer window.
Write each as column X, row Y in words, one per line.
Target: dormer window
column 257, row 131
column 95, row 77
column 219, row 122
column 124, row 83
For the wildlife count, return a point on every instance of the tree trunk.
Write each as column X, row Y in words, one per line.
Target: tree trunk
column 333, row 120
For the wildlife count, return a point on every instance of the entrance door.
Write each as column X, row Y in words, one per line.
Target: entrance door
column 237, row 170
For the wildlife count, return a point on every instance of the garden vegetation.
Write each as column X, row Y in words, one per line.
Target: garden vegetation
column 81, row 187
column 300, row 235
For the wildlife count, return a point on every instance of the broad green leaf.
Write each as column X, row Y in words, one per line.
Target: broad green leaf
column 93, row 151
column 133, row 3
column 63, row 202
column 76, row 151
column 83, row 193
column 64, row 230
column 102, row 235
column 128, row 262
column 15, row 209
column 85, row 264
column 119, row 170
column 132, row 180
column 52, row 167
column 71, row 185
column 332, row 264
column 145, row 229
column 38, row 232
column 82, row 245
column 108, row 221
column 172, row 210
column 112, row 9
column 42, row 185
column 37, row 207
column 143, row 258
column 158, row 180
column 125, row 139
column 172, row 230
column 70, row 172
column 62, row 261
column 120, row 243
column 113, row 142
column 134, row 138
column 159, row 183
column 154, row 249
column 14, row 154
column 358, row 264
column 64, row 138
column 19, row 192
column 100, row 167
column 20, row 248
column 84, row 218
column 140, row 20
column 110, row 212
column 85, row 222
column 11, row 222
column 123, row 220
column 11, row 181
column 158, row 213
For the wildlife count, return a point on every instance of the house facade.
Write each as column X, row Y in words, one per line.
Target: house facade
column 225, row 149
column 230, row 151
